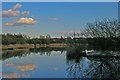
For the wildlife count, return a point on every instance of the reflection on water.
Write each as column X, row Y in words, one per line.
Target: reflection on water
column 104, row 68
column 8, row 74
column 57, row 63
column 22, row 67
column 26, row 67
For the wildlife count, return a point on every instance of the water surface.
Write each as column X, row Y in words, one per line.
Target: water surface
column 56, row 63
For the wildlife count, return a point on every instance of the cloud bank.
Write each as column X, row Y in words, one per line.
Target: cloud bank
column 14, row 12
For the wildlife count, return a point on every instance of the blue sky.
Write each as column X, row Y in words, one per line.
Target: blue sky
column 55, row 17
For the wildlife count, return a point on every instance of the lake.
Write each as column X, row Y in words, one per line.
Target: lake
column 56, row 63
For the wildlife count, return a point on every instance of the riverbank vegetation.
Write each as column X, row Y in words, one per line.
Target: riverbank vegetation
column 100, row 34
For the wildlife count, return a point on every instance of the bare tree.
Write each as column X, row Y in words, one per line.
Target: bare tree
column 105, row 29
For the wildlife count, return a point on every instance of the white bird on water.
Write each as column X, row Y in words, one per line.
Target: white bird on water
column 89, row 51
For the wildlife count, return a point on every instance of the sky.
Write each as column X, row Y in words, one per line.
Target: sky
column 42, row 18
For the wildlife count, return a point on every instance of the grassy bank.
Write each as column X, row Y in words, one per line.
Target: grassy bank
column 24, row 46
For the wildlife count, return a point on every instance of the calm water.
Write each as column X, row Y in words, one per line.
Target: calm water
column 56, row 63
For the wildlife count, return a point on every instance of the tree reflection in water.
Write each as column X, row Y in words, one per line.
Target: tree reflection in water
column 6, row 54
column 97, row 67
column 74, row 65
column 104, row 68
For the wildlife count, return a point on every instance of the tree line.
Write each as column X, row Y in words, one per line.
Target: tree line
column 8, row 39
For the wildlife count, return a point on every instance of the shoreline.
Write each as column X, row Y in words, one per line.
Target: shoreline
column 27, row 46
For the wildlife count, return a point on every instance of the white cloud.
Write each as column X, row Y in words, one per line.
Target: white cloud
column 10, row 13
column 13, row 12
column 26, row 21
column 22, row 22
